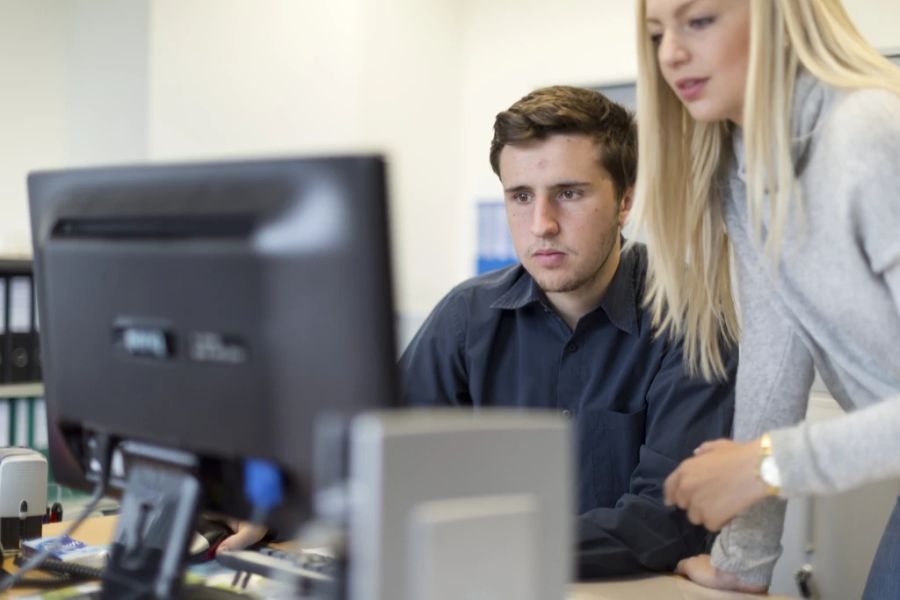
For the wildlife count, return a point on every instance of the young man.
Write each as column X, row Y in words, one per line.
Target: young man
column 565, row 330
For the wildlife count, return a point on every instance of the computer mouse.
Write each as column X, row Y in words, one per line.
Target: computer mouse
column 208, row 534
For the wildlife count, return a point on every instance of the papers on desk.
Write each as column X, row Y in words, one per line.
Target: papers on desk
column 68, row 549
column 208, row 574
column 72, row 591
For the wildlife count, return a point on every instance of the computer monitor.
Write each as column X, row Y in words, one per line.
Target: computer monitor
column 216, row 309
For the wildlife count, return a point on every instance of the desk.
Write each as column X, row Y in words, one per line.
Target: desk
column 99, row 530
column 655, row 587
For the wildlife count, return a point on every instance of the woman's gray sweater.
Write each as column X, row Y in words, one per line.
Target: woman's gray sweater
column 834, row 304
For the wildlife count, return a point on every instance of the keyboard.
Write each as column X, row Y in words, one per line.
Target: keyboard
column 313, row 561
column 294, row 567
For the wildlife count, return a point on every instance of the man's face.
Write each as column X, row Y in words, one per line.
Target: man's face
column 562, row 212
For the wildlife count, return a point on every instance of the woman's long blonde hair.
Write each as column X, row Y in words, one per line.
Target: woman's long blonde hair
column 677, row 203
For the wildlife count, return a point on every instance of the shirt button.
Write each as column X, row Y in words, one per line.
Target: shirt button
column 567, row 413
column 571, row 347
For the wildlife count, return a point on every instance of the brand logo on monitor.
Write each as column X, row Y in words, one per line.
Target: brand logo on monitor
column 145, row 342
column 210, row 346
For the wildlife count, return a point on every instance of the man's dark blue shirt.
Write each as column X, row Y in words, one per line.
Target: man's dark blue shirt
column 495, row 340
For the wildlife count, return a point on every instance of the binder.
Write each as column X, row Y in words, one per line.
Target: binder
column 24, row 417
column 41, row 437
column 4, row 320
column 21, row 326
column 5, row 421
column 36, row 372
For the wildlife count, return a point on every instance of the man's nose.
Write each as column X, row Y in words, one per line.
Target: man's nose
column 544, row 222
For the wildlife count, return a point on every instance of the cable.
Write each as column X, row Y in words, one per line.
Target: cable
column 73, row 570
column 103, row 454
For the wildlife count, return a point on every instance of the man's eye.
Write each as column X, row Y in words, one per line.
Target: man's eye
column 570, row 194
column 521, row 198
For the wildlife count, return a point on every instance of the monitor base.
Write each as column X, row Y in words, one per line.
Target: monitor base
column 159, row 507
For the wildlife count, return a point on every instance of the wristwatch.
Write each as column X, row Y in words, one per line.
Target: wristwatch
column 768, row 469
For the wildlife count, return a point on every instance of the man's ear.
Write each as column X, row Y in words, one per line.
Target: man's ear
column 625, row 205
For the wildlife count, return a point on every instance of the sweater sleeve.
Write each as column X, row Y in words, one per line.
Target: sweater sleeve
column 774, row 376
column 832, row 456
column 836, row 455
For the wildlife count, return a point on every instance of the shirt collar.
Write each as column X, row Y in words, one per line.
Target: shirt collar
column 620, row 302
column 523, row 292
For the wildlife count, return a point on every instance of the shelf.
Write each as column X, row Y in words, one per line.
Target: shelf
column 22, row 390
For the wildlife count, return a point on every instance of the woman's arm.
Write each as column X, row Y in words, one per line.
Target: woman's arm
column 775, row 374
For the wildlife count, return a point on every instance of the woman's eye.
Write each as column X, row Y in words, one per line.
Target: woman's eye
column 701, row 22
column 655, row 38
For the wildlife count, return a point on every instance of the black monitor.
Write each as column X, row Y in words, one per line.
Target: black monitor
column 217, row 310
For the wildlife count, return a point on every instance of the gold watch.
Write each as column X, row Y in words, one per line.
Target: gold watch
column 767, row 469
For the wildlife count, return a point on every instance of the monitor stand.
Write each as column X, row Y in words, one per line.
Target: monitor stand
column 158, row 511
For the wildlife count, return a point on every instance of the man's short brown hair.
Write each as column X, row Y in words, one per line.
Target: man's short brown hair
column 562, row 109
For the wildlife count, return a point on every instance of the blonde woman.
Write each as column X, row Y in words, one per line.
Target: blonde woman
column 769, row 193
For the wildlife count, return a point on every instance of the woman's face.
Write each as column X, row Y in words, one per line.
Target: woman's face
column 702, row 47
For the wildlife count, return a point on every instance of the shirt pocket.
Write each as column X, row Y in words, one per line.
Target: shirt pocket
column 614, row 452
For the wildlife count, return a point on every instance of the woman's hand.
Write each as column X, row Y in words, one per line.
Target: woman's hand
column 717, row 483
column 245, row 534
column 700, row 570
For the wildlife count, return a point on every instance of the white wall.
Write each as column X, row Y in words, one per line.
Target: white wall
column 877, row 20
column 231, row 79
column 238, row 78
column 31, row 112
column 105, row 63
column 73, row 76
column 110, row 81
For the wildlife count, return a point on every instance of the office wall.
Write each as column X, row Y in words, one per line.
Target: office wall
column 73, row 76
column 95, row 81
column 235, row 78
column 105, row 81
column 877, row 20
column 31, row 114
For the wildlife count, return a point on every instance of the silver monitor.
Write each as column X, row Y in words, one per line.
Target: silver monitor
column 454, row 504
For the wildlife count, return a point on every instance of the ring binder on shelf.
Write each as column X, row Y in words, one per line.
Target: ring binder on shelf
column 19, row 343
column 4, row 319
column 21, row 325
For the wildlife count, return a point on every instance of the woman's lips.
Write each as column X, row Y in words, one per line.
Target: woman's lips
column 690, row 88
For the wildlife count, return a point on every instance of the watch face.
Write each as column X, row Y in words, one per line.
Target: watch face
column 769, row 472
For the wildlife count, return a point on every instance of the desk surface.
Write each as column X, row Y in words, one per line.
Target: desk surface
column 100, row 530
